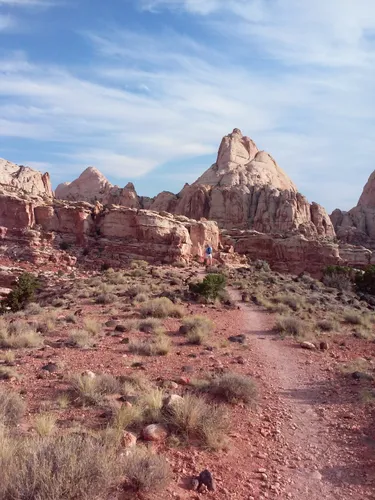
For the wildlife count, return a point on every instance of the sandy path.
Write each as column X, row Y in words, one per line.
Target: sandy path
column 309, row 460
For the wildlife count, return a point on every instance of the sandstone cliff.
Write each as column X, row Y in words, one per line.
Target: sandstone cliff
column 357, row 226
column 247, row 189
column 20, row 179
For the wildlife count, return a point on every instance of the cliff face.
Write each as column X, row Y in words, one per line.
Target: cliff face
column 357, row 226
column 247, row 189
column 24, row 180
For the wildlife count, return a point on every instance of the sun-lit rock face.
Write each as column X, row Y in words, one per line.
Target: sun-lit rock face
column 357, row 226
column 247, row 189
column 24, row 180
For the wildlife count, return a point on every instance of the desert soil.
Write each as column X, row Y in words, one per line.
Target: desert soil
column 310, row 436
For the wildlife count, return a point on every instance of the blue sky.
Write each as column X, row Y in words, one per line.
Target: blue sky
column 145, row 89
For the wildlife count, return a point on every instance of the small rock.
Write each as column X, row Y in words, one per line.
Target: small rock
column 239, row 339
column 155, row 432
column 205, row 478
column 194, row 484
column 172, row 400
column 111, row 323
column 88, row 373
column 362, row 376
column 316, row 475
column 121, row 328
column 50, row 367
column 129, row 440
column 323, row 346
column 308, row 345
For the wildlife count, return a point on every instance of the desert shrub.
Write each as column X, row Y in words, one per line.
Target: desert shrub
column 262, row 265
column 7, row 373
column 45, row 424
column 139, row 264
column 106, row 298
column 67, row 467
column 289, row 300
column 149, row 325
column 91, row 390
column 18, row 335
column 339, row 277
column 232, row 388
column 115, row 277
column 326, row 325
column 146, row 472
column 291, row 326
column 211, row 286
column 353, row 318
column 33, row 309
column 46, row 322
column 22, row 293
column 197, row 328
column 194, row 419
column 150, row 403
column 92, row 326
column 126, row 416
column 12, row 408
column 141, row 297
column 158, row 346
column 81, row 339
column 365, row 281
column 64, row 245
column 161, row 307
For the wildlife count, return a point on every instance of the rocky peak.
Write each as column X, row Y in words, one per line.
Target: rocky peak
column 239, row 162
column 367, row 199
column 24, row 179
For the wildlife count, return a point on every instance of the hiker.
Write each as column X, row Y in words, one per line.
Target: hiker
column 208, row 255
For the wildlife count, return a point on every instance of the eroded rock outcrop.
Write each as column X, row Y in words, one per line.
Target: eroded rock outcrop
column 357, row 226
column 24, row 180
column 247, row 189
column 36, row 231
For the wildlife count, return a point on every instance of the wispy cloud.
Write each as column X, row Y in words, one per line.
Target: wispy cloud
column 299, row 81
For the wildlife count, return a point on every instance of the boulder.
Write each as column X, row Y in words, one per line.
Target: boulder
column 154, row 432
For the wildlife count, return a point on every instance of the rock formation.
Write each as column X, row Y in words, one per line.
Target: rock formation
column 92, row 186
column 247, row 189
column 357, row 226
column 24, row 180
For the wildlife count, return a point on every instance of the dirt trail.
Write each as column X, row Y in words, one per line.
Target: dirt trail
column 311, row 458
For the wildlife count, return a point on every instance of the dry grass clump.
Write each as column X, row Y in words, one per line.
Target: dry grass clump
column 45, row 424
column 353, row 318
column 12, row 408
column 141, row 297
column 149, row 325
column 127, row 416
column 91, row 390
column 150, row 403
column 81, row 339
column 272, row 307
column 7, row 373
column 161, row 307
column 106, row 298
column 68, row 467
column 195, row 420
column 18, row 335
column 232, row 388
column 115, row 277
column 197, row 328
column 159, row 346
column 92, row 326
column 46, row 322
column 326, row 325
column 146, row 471
column 33, row 309
column 291, row 301
column 291, row 326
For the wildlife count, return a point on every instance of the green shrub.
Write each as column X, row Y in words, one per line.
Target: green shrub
column 365, row 282
column 340, row 277
column 211, row 286
column 22, row 293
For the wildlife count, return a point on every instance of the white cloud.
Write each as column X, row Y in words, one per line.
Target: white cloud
column 148, row 99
